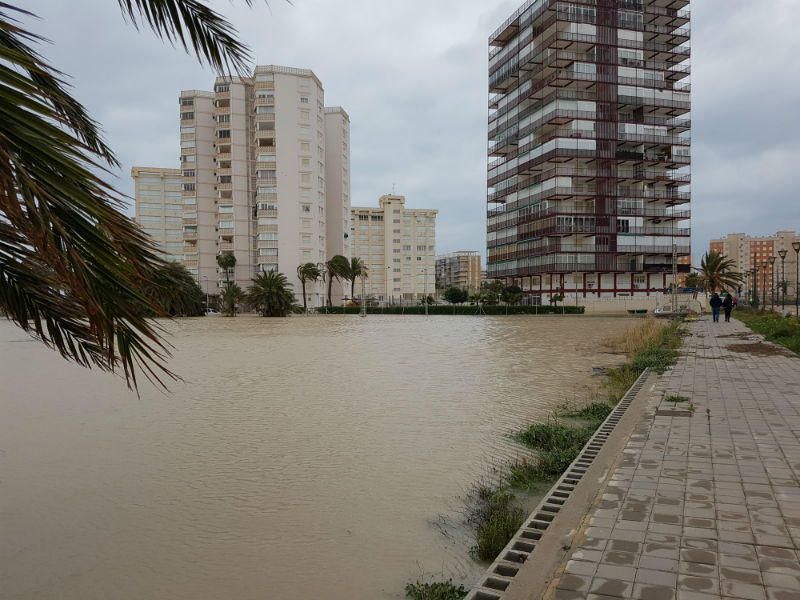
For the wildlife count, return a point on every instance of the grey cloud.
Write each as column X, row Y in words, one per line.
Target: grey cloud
column 412, row 75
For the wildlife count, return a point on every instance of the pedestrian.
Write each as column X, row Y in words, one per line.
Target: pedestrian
column 727, row 306
column 715, row 303
column 736, row 302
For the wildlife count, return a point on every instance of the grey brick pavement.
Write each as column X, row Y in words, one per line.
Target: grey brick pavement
column 705, row 503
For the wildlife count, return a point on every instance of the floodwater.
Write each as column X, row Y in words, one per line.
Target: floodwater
column 311, row 457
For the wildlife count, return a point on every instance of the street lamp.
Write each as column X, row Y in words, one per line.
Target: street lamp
column 772, row 282
column 205, row 279
column 755, row 286
column 764, row 284
column 388, row 272
column 782, row 254
column 796, row 247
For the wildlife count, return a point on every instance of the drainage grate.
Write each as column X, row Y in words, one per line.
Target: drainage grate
column 502, row 572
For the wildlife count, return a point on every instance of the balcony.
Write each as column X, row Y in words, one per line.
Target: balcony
column 265, row 101
column 224, row 187
column 225, row 246
column 267, row 213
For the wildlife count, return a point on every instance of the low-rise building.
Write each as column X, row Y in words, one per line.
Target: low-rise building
column 460, row 269
column 749, row 252
column 398, row 246
column 159, row 208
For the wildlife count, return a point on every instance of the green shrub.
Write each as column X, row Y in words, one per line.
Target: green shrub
column 436, row 590
column 462, row 310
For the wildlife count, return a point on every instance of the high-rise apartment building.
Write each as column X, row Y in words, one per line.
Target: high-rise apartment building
column 459, row 269
column 265, row 176
column 748, row 252
column 398, row 246
column 589, row 146
column 159, row 208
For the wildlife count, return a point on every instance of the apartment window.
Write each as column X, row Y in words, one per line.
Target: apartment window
column 377, row 217
column 187, row 116
column 224, row 179
column 396, row 251
column 363, row 217
column 407, row 248
column 188, row 187
column 268, row 252
column 267, row 237
column 396, row 221
column 396, row 241
column 420, row 248
column 223, row 118
column 224, row 133
column 397, row 260
column 224, row 209
column 187, row 102
column 222, row 87
column 306, row 208
column 266, row 126
column 188, row 173
column 226, row 225
column 303, row 99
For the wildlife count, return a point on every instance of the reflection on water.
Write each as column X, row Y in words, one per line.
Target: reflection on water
column 301, row 458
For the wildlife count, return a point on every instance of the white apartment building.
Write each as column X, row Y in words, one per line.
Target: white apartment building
column 398, row 245
column 159, row 208
column 256, row 180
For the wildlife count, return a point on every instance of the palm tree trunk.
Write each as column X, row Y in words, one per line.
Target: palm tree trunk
column 330, row 284
column 303, row 282
column 353, row 289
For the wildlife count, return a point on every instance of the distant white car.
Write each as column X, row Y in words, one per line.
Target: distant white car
column 211, row 312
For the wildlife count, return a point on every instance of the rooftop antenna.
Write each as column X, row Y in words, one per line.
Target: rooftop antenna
column 392, row 189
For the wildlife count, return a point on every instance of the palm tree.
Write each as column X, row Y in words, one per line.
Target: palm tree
column 73, row 267
column 271, row 294
column 230, row 296
column 717, row 272
column 307, row 272
column 356, row 269
column 226, row 262
column 337, row 268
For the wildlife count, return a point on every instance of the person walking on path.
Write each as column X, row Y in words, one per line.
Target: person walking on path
column 715, row 303
column 727, row 306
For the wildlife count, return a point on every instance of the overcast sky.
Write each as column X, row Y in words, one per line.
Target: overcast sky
column 412, row 74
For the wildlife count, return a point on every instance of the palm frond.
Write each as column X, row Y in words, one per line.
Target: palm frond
column 70, row 262
column 194, row 26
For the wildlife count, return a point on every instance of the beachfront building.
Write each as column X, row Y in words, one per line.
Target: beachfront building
column 159, row 208
column 748, row 252
column 459, row 269
column 265, row 172
column 398, row 246
column 589, row 147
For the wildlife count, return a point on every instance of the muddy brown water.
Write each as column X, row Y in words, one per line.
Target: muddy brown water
column 301, row 458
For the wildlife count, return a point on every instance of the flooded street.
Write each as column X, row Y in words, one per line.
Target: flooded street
column 300, row 458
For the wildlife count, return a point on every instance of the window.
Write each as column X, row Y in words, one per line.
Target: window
column 223, row 118
column 225, row 225
column 305, row 208
column 222, row 87
column 187, row 101
column 224, row 179
column 187, row 116
column 266, row 174
column 303, row 99
column 188, row 172
column 363, row 217
column 188, row 187
column 268, row 252
column 267, row 237
column 225, row 209
column 224, row 133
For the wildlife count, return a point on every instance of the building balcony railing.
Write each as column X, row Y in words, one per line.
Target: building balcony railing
column 223, row 156
column 260, row 101
column 224, row 187
column 537, row 230
column 516, row 219
column 267, row 213
column 224, row 246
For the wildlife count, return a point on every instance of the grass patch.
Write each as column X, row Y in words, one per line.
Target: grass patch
column 594, row 412
column 676, row 399
column 784, row 331
column 435, row 590
column 496, row 518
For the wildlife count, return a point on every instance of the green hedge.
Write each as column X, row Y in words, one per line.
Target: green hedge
column 464, row 309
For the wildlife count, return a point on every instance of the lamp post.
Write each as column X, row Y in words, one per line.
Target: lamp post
column 772, row 282
column 763, row 284
column 388, row 273
column 755, row 286
column 796, row 247
column 782, row 254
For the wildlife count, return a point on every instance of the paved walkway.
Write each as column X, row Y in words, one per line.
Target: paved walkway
column 705, row 503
